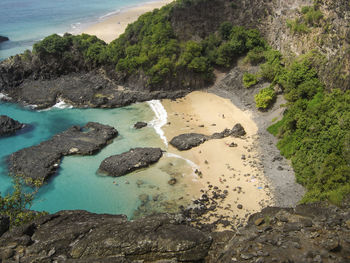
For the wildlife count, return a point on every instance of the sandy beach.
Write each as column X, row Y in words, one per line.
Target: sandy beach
column 224, row 168
column 112, row 27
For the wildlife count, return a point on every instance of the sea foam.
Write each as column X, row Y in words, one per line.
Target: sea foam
column 160, row 119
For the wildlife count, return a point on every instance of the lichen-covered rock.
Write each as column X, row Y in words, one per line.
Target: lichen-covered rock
column 8, row 125
column 41, row 161
column 86, row 237
column 121, row 164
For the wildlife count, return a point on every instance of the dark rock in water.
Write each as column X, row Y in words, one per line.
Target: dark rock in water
column 187, row 141
column 4, row 224
column 140, row 125
column 3, row 39
column 121, row 164
column 41, row 161
column 80, row 236
column 172, row 181
column 8, row 125
column 238, row 130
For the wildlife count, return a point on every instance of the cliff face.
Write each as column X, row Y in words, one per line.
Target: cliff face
column 331, row 37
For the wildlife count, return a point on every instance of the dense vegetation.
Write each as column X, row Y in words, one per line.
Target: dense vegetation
column 150, row 47
column 16, row 204
column 315, row 130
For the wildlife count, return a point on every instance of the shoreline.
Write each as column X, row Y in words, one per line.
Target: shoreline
column 232, row 171
column 114, row 24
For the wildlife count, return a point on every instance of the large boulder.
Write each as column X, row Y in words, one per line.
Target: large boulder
column 3, row 39
column 8, row 125
column 121, row 164
column 187, row 141
column 41, row 161
column 80, row 236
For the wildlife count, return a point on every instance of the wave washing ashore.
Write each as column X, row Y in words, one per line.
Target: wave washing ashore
column 27, row 22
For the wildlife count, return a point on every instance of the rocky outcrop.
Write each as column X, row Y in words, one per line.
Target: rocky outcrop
column 308, row 233
column 187, row 141
column 93, row 89
column 121, row 164
column 140, row 125
column 4, row 224
column 8, row 125
column 79, row 236
column 3, row 39
column 41, row 161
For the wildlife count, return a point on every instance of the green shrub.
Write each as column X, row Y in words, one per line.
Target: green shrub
column 265, row 98
column 249, row 80
column 16, row 204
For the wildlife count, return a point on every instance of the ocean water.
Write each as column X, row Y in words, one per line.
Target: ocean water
column 27, row 21
column 78, row 185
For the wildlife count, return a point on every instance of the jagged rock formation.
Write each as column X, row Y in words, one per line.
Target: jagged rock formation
column 3, row 39
column 187, row 141
column 41, row 161
column 79, row 236
column 121, row 164
column 308, row 233
column 8, row 125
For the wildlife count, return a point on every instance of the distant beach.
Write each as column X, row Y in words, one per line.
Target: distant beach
column 115, row 25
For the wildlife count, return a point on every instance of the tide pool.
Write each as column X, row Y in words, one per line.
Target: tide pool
column 78, row 185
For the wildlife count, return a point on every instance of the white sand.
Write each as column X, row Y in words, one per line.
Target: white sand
column 111, row 28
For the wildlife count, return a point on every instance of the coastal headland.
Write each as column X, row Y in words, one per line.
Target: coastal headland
column 234, row 81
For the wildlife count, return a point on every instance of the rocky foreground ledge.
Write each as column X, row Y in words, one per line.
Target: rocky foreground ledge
column 41, row 161
column 9, row 125
column 308, row 233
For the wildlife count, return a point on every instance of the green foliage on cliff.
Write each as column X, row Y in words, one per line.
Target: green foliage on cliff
column 249, row 80
column 315, row 132
column 149, row 47
column 16, row 204
column 311, row 17
column 265, row 98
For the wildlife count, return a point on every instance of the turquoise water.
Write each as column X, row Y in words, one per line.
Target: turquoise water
column 77, row 184
column 27, row 21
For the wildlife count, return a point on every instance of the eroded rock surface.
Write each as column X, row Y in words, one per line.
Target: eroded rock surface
column 79, row 236
column 41, row 161
column 308, row 233
column 187, row 141
column 121, row 164
column 8, row 125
